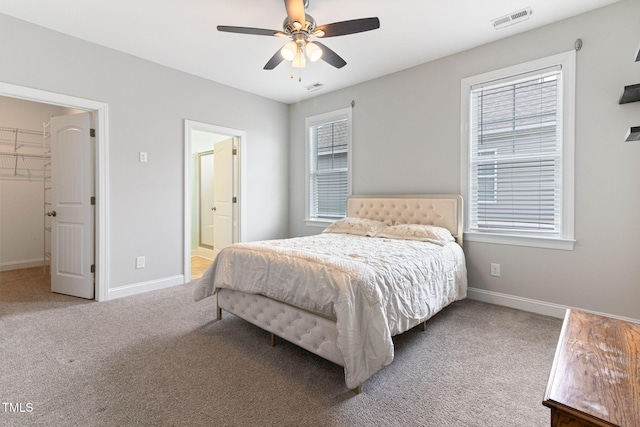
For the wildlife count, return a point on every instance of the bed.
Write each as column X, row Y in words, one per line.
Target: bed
column 390, row 265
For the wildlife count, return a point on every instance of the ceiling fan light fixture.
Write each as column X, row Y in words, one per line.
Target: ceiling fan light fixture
column 313, row 51
column 289, row 50
column 318, row 33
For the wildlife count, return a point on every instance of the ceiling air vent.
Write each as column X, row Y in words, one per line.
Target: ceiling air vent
column 314, row 87
column 512, row 18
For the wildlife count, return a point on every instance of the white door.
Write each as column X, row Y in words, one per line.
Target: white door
column 223, row 192
column 206, row 199
column 72, row 247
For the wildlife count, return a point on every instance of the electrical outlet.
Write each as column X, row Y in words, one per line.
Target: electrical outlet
column 140, row 262
column 495, row 269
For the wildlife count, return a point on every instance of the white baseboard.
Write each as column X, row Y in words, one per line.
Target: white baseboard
column 17, row 265
column 206, row 253
column 531, row 305
column 138, row 288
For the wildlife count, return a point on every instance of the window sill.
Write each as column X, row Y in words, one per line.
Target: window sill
column 534, row 242
column 323, row 223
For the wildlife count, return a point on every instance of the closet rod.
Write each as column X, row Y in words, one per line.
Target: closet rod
column 25, row 131
column 11, row 143
column 29, row 156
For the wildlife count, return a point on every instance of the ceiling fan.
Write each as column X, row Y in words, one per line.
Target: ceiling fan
column 301, row 27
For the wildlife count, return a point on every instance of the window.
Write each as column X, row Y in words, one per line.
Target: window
column 328, row 166
column 517, row 148
column 487, row 176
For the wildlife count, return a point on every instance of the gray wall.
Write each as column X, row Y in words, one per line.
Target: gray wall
column 147, row 106
column 406, row 139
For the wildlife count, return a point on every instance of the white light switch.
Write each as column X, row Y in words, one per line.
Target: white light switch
column 143, row 157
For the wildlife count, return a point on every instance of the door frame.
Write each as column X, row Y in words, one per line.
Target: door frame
column 190, row 125
column 101, row 169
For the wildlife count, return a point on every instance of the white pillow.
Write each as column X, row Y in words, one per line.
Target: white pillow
column 423, row 233
column 356, row 226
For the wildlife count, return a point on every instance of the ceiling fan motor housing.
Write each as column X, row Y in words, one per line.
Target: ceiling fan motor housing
column 289, row 27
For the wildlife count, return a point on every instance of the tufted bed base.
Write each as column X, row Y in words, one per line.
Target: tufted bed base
column 317, row 332
column 314, row 332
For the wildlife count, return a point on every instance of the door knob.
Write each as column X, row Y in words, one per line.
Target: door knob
column 214, row 208
column 51, row 213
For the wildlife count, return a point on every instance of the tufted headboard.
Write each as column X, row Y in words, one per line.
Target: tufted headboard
column 442, row 210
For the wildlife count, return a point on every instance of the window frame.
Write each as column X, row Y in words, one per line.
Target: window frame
column 312, row 121
column 565, row 241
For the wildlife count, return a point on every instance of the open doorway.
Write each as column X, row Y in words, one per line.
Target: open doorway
column 46, row 185
column 98, row 112
column 24, row 178
column 213, row 193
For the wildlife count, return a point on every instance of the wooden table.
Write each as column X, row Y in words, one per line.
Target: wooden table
column 595, row 378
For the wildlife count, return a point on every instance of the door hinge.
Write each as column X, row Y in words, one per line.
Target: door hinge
column 234, row 152
column 93, row 268
column 92, row 133
column 234, row 200
column 93, row 200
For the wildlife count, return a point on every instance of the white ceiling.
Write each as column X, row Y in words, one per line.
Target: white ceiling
column 182, row 34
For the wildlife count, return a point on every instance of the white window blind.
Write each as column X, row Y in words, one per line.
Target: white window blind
column 515, row 155
column 328, row 167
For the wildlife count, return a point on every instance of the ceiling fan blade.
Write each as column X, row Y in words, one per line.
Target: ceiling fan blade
column 330, row 57
column 249, row 30
column 295, row 11
column 349, row 27
column 274, row 61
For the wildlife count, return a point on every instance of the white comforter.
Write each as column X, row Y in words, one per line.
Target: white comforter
column 375, row 287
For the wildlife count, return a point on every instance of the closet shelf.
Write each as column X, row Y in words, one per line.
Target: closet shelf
column 23, row 154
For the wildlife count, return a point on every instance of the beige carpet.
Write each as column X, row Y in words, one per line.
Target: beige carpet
column 159, row 359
